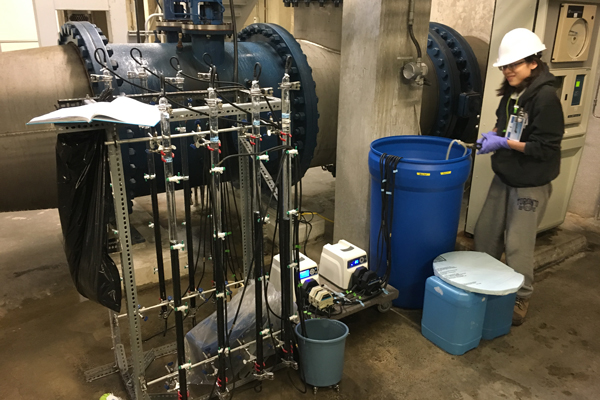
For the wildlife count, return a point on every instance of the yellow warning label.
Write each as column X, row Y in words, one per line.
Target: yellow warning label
column 423, row 173
column 446, row 173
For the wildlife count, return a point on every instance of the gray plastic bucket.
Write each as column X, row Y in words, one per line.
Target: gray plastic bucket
column 322, row 352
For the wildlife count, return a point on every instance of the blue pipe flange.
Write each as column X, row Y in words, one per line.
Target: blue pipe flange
column 471, row 85
column 449, row 85
column 88, row 37
column 305, row 115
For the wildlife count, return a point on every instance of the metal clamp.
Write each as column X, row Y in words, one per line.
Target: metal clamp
column 206, row 76
column 177, row 178
column 178, row 246
column 290, row 86
column 263, row 376
column 177, row 81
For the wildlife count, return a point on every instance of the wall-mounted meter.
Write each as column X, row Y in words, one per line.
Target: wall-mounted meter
column 570, row 86
column 574, row 32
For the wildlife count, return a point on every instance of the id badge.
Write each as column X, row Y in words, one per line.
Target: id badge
column 516, row 126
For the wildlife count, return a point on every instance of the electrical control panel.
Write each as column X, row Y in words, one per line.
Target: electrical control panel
column 574, row 32
column 571, row 85
column 338, row 262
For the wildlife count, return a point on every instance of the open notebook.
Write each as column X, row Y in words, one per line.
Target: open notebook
column 122, row 110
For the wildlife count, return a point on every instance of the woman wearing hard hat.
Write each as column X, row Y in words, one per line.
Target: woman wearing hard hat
column 526, row 146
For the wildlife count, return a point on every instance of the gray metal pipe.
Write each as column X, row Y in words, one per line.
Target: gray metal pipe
column 32, row 82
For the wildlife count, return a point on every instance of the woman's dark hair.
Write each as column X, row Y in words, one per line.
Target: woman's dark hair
column 505, row 88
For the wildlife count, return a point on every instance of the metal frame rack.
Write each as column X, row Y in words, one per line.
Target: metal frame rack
column 132, row 370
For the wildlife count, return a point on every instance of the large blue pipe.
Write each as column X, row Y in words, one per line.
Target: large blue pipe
column 266, row 44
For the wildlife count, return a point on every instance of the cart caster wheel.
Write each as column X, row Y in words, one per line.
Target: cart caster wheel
column 315, row 390
column 337, row 388
column 385, row 307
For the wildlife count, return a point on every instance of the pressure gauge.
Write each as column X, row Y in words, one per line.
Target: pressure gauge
column 578, row 35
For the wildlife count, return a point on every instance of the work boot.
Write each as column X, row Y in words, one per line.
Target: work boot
column 520, row 311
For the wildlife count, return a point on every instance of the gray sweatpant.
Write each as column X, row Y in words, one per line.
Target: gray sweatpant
column 508, row 222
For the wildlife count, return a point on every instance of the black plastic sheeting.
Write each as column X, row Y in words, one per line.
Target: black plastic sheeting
column 84, row 201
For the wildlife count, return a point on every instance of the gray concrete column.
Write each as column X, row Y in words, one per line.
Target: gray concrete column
column 375, row 102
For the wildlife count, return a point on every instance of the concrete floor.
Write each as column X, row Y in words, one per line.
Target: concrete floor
column 49, row 335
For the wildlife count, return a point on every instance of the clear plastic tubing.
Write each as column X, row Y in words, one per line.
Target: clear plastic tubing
column 168, row 164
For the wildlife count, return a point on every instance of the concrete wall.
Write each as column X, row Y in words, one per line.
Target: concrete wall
column 17, row 25
column 271, row 11
column 468, row 17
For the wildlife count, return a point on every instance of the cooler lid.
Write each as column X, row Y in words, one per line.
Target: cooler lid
column 477, row 272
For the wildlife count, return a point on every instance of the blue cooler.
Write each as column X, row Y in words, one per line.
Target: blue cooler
column 452, row 318
column 498, row 316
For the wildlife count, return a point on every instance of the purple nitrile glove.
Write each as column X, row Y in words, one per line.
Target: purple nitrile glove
column 491, row 143
column 482, row 138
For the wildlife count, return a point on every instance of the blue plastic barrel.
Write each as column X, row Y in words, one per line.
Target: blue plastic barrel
column 322, row 351
column 427, row 201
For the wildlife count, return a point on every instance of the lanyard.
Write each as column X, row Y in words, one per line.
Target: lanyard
column 515, row 107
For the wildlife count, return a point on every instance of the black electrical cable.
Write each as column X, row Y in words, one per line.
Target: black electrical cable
column 237, row 212
column 235, row 40
column 278, row 124
column 388, row 165
column 228, row 239
column 249, row 274
column 263, row 214
column 173, row 326
column 248, row 113
column 115, row 74
column 178, row 68
column 228, row 334
column 159, row 5
column 147, row 69
column 414, row 40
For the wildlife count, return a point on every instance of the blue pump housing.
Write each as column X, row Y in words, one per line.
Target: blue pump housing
column 267, row 44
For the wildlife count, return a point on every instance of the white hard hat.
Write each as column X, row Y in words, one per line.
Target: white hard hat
column 518, row 44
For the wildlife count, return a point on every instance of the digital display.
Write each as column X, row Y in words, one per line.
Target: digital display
column 304, row 274
column 356, row 261
column 577, row 90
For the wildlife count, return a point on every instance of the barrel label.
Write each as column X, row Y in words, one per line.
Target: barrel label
column 423, row 173
column 446, row 173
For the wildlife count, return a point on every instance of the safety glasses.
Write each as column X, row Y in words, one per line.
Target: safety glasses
column 511, row 66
